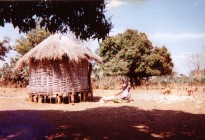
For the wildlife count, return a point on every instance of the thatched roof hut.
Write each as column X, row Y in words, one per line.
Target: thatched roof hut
column 58, row 65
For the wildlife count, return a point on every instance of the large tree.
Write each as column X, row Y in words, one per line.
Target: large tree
column 33, row 38
column 159, row 62
column 131, row 54
column 4, row 47
column 22, row 46
column 85, row 19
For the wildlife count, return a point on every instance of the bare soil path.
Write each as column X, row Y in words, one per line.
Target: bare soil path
column 150, row 116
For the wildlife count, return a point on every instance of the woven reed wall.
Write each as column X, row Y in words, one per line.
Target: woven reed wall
column 58, row 76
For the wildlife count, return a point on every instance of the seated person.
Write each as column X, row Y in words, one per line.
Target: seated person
column 124, row 94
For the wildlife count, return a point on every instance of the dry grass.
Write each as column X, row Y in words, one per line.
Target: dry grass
column 55, row 47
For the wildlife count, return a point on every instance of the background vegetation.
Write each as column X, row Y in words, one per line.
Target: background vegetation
column 23, row 45
column 126, row 55
column 131, row 54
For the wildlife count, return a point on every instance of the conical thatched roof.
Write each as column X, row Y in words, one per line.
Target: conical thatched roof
column 54, row 48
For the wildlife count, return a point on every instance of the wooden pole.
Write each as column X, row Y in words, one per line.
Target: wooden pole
column 81, row 97
column 50, row 98
column 85, row 96
column 45, row 98
column 68, row 97
column 90, row 88
column 72, row 97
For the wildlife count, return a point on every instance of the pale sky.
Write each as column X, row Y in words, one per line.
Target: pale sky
column 177, row 24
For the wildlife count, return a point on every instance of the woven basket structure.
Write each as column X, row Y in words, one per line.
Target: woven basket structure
column 58, row 65
column 58, row 77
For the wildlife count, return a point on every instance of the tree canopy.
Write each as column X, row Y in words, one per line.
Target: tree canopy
column 4, row 47
column 85, row 19
column 22, row 46
column 33, row 38
column 131, row 54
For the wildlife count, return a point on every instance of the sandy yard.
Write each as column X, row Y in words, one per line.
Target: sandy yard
column 150, row 116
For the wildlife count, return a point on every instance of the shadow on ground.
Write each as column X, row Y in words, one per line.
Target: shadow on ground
column 102, row 123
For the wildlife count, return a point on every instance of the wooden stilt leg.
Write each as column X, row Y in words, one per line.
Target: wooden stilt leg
column 39, row 98
column 42, row 98
column 68, row 97
column 72, row 97
column 45, row 98
column 35, row 98
column 77, row 97
column 58, row 99
column 30, row 97
column 50, row 99
column 85, row 94
column 63, row 98
column 81, row 97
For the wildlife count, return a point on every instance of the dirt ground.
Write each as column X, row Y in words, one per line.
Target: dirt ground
column 150, row 116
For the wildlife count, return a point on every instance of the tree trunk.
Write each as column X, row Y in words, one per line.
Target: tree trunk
column 137, row 80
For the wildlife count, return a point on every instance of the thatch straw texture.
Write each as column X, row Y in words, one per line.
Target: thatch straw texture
column 58, row 65
column 55, row 47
